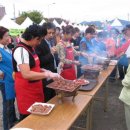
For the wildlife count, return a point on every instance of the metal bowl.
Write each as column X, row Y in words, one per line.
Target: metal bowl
column 104, row 63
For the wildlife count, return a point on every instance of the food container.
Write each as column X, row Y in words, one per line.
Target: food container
column 40, row 108
column 113, row 62
column 89, row 86
column 103, row 61
column 91, row 71
column 67, row 88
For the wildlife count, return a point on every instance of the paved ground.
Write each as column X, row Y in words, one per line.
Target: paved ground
column 113, row 119
column 0, row 112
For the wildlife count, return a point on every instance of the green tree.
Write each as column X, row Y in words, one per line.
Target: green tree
column 34, row 15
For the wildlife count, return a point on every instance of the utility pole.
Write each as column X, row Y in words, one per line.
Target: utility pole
column 14, row 11
column 128, row 16
column 49, row 9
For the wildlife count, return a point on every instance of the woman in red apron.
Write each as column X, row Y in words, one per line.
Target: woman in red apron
column 66, row 53
column 28, row 75
column 69, row 70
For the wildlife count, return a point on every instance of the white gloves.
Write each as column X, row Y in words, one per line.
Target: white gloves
column 76, row 62
column 54, row 76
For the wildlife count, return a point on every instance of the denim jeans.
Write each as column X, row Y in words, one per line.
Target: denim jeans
column 9, row 115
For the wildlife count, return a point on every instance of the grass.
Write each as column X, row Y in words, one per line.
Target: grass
column 15, row 32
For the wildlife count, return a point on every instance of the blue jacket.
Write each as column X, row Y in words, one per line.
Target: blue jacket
column 89, row 45
column 99, row 47
column 123, row 59
column 7, row 68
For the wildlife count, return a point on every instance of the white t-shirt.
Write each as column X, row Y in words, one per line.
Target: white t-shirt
column 128, row 52
column 21, row 56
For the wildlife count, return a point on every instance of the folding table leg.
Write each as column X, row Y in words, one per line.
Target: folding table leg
column 106, row 96
column 89, row 116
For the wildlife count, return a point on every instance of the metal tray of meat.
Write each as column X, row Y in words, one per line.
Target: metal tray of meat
column 92, row 84
column 67, row 85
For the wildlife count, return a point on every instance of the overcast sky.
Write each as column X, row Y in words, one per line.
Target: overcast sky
column 73, row 10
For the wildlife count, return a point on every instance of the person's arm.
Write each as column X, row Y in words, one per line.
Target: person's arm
column 126, row 80
column 21, row 57
column 62, row 54
column 122, row 49
column 32, row 75
column 77, row 53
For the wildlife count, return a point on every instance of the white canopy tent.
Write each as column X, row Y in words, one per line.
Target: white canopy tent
column 27, row 22
column 70, row 24
column 56, row 23
column 82, row 27
column 43, row 21
column 62, row 24
column 8, row 23
column 117, row 24
column 76, row 25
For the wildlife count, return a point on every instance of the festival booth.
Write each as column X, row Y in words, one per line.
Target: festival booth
column 8, row 23
column 65, row 113
column 56, row 23
column 117, row 24
column 27, row 22
column 43, row 21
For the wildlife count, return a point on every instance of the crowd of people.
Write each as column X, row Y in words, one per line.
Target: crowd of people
column 47, row 53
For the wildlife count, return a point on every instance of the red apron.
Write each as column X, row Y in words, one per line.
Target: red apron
column 69, row 71
column 28, row 92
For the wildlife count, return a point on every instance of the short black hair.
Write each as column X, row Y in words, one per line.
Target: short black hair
column 58, row 28
column 90, row 30
column 68, row 29
column 48, row 25
column 3, row 30
column 33, row 31
column 76, row 29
